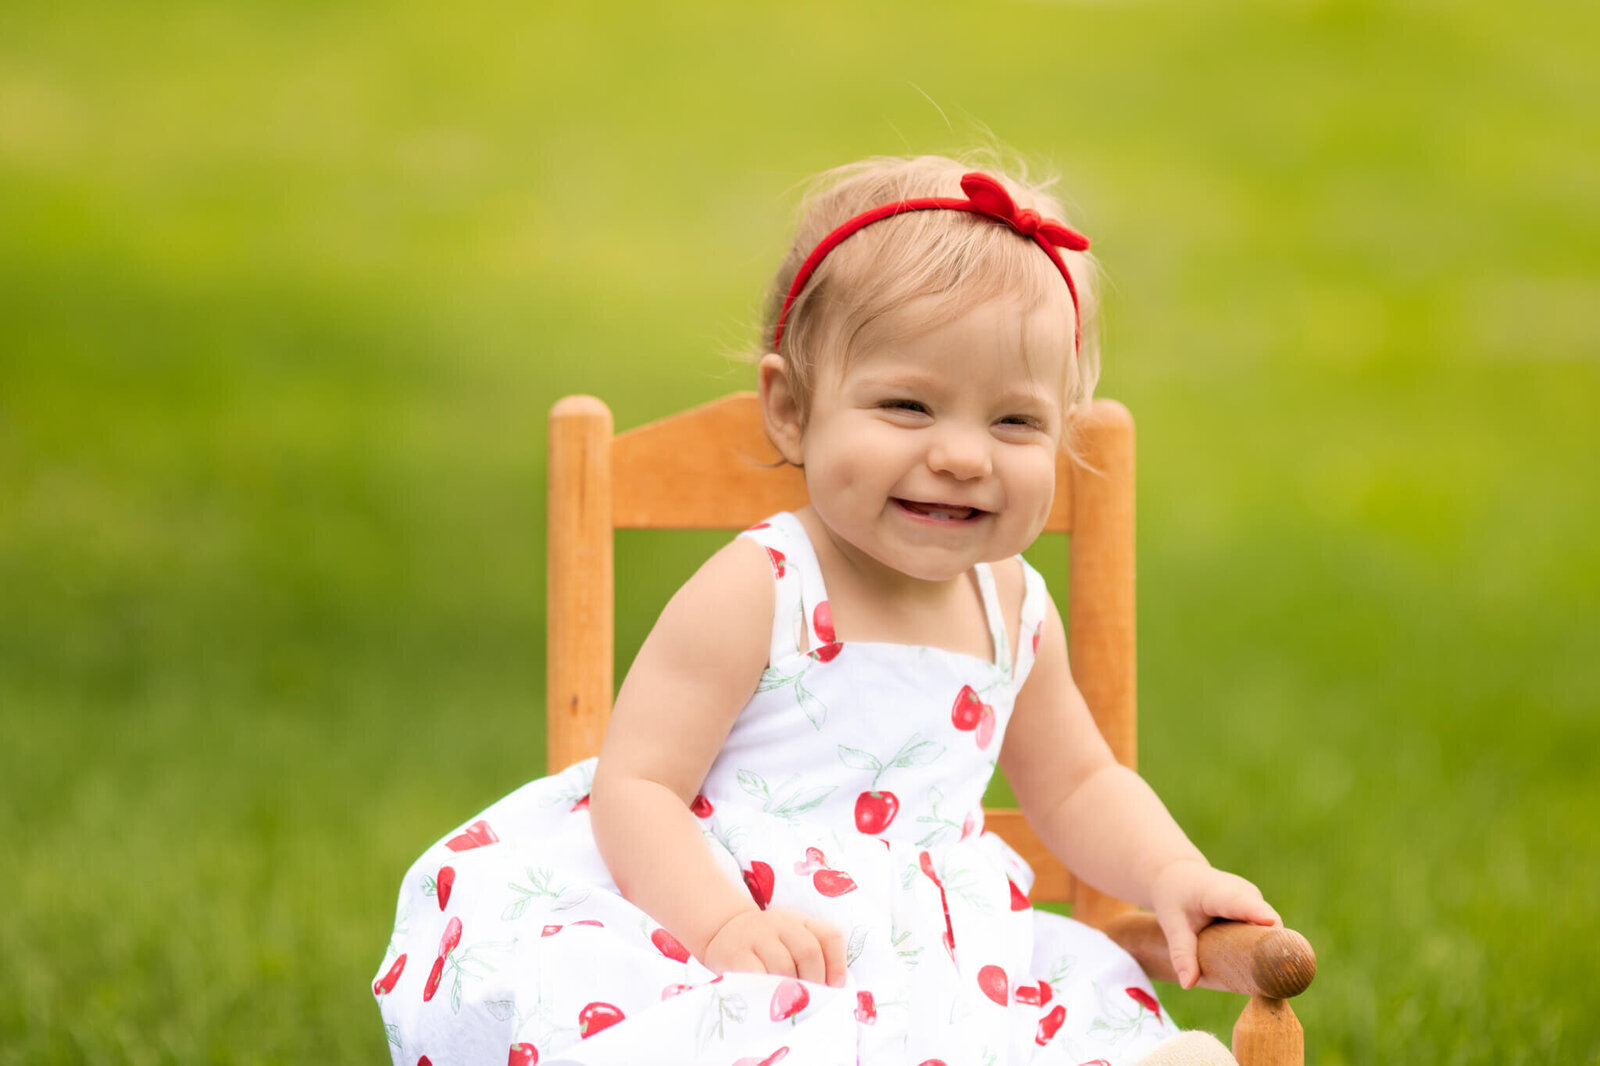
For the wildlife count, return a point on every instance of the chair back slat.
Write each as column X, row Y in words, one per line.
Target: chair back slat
column 711, row 467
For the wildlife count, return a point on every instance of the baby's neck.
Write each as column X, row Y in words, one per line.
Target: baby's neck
column 875, row 603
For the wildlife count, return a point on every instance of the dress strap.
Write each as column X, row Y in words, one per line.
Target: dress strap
column 1035, row 601
column 994, row 616
column 1035, row 609
column 797, row 586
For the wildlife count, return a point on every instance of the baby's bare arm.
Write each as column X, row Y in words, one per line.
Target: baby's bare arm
column 1104, row 821
column 695, row 672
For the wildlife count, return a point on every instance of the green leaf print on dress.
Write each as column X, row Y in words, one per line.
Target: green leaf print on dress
column 539, row 886
column 789, row 800
column 772, row 678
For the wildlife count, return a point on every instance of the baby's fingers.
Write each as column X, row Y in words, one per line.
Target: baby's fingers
column 832, row 945
column 1239, row 900
column 806, row 950
column 775, row 955
column 1181, row 946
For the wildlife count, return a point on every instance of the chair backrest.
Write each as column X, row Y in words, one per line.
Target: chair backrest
column 712, row 468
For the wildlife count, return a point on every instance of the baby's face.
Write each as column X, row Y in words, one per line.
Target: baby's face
column 937, row 450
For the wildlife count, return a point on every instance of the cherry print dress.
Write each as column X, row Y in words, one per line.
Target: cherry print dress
column 850, row 787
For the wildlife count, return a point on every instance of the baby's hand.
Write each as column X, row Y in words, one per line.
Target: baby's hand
column 1189, row 893
column 779, row 941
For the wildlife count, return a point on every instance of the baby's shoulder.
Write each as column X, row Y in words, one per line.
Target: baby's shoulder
column 722, row 615
column 737, row 577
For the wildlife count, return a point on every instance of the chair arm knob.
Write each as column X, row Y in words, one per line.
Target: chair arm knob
column 1251, row 960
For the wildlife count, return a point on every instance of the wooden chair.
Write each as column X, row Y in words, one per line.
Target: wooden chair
column 711, row 468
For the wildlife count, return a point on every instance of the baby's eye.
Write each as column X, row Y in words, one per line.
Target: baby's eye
column 915, row 406
column 1026, row 421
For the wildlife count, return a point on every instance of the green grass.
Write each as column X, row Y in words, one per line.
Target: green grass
column 286, row 290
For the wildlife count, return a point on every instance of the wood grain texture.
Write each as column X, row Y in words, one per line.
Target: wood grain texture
column 1100, row 606
column 710, row 467
column 579, row 581
column 1268, row 1034
column 1100, row 614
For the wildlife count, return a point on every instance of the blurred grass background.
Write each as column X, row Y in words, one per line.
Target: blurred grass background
column 286, row 290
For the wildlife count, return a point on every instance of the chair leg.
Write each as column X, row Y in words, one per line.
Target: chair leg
column 1268, row 1034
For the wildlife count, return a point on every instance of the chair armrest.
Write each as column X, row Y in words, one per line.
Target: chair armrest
column 1251, row 960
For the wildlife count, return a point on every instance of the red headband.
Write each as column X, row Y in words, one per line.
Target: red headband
column 985, row 196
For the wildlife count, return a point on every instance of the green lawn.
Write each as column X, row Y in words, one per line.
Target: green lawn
column 286, row 290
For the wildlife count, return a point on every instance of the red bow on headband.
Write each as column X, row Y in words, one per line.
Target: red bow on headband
column 991, row 198
column 985, row 196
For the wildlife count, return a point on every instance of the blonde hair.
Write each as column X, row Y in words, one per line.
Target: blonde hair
column 950, row 261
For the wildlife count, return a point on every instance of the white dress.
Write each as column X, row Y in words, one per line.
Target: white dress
column 851, row 788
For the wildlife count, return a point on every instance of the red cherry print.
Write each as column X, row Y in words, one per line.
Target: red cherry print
column 475, row 835
column 875, row 810
column 969, row 825
column 822, row 622
column 424, row 1061
column 674, row 990
column 1049, row 1024
column 1145, row 1000
column 582, row 804
column 523, row 1054
column 385, row 984
column 590, row 921
column 1038, row 631
column 758, row 525
column 1045, row 991
column 768, row 1061
column 669, row 945
column 866, row 1009
column 833, row 882
column 814, row 860
column 597, row 1016
column 1019, row 902
column 985, row 728
column 992, row 980
column 759, row 879
column 1028, row 994
column 452, row 937
column 444, row 883
column 778, row 560
column 788, row 999
column 967, row 709
column 931, row 1062
column 435, row 975
column 701, row 807
column 550, row 930
column 926, row 862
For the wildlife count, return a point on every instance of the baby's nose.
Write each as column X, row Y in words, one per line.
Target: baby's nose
column 960, row 452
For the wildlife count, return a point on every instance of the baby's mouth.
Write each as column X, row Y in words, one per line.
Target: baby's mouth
column 946, row 512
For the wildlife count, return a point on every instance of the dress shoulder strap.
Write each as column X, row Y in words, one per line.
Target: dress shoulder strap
column 797, row 586
column 994, row 615
column 1035, row 598
column 1035, row 609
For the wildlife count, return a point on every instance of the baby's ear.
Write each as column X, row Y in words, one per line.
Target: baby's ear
column 780, row 409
